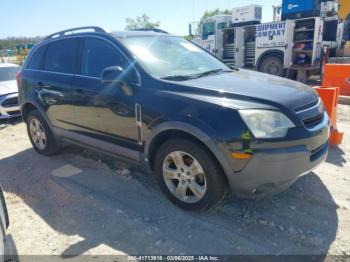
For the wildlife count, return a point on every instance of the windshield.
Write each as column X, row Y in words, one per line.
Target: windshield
column 208, row 29
column 8, row 73
column 168, row 56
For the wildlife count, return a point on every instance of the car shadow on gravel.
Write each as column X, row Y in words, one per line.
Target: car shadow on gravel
column 76, row 195
column 11, row 121
column 336, row 156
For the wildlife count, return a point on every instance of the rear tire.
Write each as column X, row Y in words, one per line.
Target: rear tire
column 41, row 135
column 195, row 181
column 272, row 65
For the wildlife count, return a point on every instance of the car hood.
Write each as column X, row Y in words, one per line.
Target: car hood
column 8, row 87
column 257, row 87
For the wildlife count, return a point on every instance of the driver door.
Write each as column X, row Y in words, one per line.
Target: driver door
column 103, row 111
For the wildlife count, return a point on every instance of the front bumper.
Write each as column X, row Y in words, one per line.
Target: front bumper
column 272, row 171
column 9, row 110
column 275, row 166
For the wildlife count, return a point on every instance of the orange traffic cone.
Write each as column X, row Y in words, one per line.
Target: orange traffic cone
column 330, row 98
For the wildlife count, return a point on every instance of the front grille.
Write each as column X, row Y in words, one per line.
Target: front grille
column 313, row 121
column 10, row 102
column 307, row 106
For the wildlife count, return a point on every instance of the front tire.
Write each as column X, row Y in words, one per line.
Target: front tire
column 41, row 135
column 272, row 65
column 189, row 175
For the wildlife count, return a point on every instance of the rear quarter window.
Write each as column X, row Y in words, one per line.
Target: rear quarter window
column 61, row 56
column 36, row 60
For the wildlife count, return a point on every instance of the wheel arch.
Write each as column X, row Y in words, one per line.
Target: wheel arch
column 26, row 108
column 166, row 131
column 29, row 106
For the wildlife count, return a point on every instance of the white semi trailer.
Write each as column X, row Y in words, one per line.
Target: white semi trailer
column 242, row 41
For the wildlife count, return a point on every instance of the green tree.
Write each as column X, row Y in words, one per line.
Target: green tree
column 13, row 42
column 140, row 22
column 210, row 13
column 189, row 37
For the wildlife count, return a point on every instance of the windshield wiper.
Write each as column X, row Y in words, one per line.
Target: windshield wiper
column 211, row 72
column 176, row 77
column 187, row 77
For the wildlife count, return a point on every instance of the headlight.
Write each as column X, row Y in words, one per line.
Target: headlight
column 266, row 123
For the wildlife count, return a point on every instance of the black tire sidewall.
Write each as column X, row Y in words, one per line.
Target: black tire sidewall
column 267, row 59
column 216, row 186
column 52, row 145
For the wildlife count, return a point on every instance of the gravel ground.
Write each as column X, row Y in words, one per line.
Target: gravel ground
column 80, row 202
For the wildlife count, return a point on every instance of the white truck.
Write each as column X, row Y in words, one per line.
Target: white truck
column 296, row 45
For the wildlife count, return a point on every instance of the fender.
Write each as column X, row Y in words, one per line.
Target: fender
column 194, row 131
column 38, row 107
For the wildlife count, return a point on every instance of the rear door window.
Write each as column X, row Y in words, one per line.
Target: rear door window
column 97, row 55
column 36, row 61
column 61, row 56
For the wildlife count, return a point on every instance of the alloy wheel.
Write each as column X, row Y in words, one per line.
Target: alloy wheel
column 37, row 133
column 184, row 177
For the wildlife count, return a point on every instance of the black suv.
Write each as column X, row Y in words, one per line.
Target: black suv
column 159, row 99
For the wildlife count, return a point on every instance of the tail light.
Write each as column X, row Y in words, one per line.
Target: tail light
column 19, row 78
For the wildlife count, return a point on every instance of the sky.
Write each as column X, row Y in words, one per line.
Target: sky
column 42, row 17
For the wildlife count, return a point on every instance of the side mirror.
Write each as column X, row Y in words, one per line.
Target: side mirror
column 116, row 75
column 112, row 74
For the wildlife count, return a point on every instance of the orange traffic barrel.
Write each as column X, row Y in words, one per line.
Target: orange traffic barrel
column 337, row 75
column 330, row 98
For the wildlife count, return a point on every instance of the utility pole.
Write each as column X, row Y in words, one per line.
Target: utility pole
column 193, row 22
column 193, row 11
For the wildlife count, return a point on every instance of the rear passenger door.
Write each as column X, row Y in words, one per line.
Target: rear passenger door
column 53, row 83
column 103, row 111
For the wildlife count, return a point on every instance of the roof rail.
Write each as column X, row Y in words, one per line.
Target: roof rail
column 72, row 30
column 156, row 30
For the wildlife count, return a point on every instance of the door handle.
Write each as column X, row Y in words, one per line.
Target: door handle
column 79, row 91
column 40, row 86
